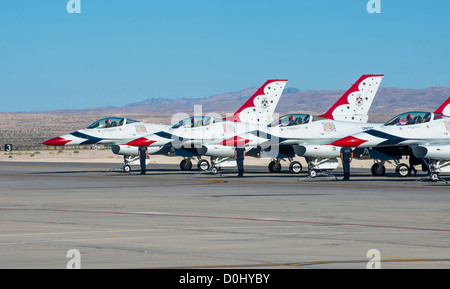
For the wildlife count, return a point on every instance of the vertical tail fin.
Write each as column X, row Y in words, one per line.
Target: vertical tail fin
column 355, row 103
column 261, row 105
column 444, row 108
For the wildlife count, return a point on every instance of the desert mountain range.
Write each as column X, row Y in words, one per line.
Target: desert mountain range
column 387, row 102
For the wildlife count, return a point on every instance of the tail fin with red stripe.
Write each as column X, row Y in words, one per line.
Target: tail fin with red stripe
column 259, row 108
column 444, row 108
column 355, row 103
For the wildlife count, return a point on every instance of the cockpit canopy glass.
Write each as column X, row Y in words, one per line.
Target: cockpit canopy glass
column 291, row 120
column 110, row 122
column 194, row 121
column 410, row 118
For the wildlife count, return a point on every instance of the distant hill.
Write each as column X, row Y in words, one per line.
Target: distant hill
column 388, row 102
column 31, row 128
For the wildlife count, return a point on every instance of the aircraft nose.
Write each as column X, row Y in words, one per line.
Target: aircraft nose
column 349, row 141
column 141, row 142
column 57, row 141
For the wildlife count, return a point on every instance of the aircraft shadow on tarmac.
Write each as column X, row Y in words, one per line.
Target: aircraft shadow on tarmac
column 253, row 172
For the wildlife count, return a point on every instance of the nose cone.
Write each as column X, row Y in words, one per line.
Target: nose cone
column 57, row 141
column 141, row 142
column 349, row 141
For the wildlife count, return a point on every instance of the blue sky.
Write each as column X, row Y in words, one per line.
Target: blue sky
column 117, row 52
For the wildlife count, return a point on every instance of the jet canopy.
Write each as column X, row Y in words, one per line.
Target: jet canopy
column 110, row 122
column 195, row 121
column 293, row 120
column 413, row 117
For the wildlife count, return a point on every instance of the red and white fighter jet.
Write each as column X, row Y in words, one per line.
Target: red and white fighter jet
column 426, row 134
column 307, row 135
column 215, row 136
column 126, row 135
column 113, row 131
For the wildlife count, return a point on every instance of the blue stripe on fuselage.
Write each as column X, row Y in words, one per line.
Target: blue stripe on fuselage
column 89, row 139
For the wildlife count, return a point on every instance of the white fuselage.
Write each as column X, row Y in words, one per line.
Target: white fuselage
column 214, row 137
column 428, row 135
column 308, row 139
column 112, row 131
column 113, row 135
column 435, row 131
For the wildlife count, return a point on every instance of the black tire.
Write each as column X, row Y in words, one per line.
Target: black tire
column 214, row 170
column 295, row 167
column 274, row 167
column 185, row 165
column 402, row 170
column 203, row 165
column 378, row 170
column 126, row 168
column 434, row 177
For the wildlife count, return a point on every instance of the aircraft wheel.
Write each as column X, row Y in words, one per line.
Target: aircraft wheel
column 214, row 170
column 295, row 167
column 185, row 165
column 434, row 177
column 402, row 170
column 126, row 168
column 203, row 165
column 313, row 173
column 274, row 167
column 378, row 170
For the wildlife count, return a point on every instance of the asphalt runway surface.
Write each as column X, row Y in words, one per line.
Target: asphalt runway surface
column 173, row 219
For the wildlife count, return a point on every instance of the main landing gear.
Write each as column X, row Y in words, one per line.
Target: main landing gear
column 295, row 167
column 401, row 169
column 186, row 164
